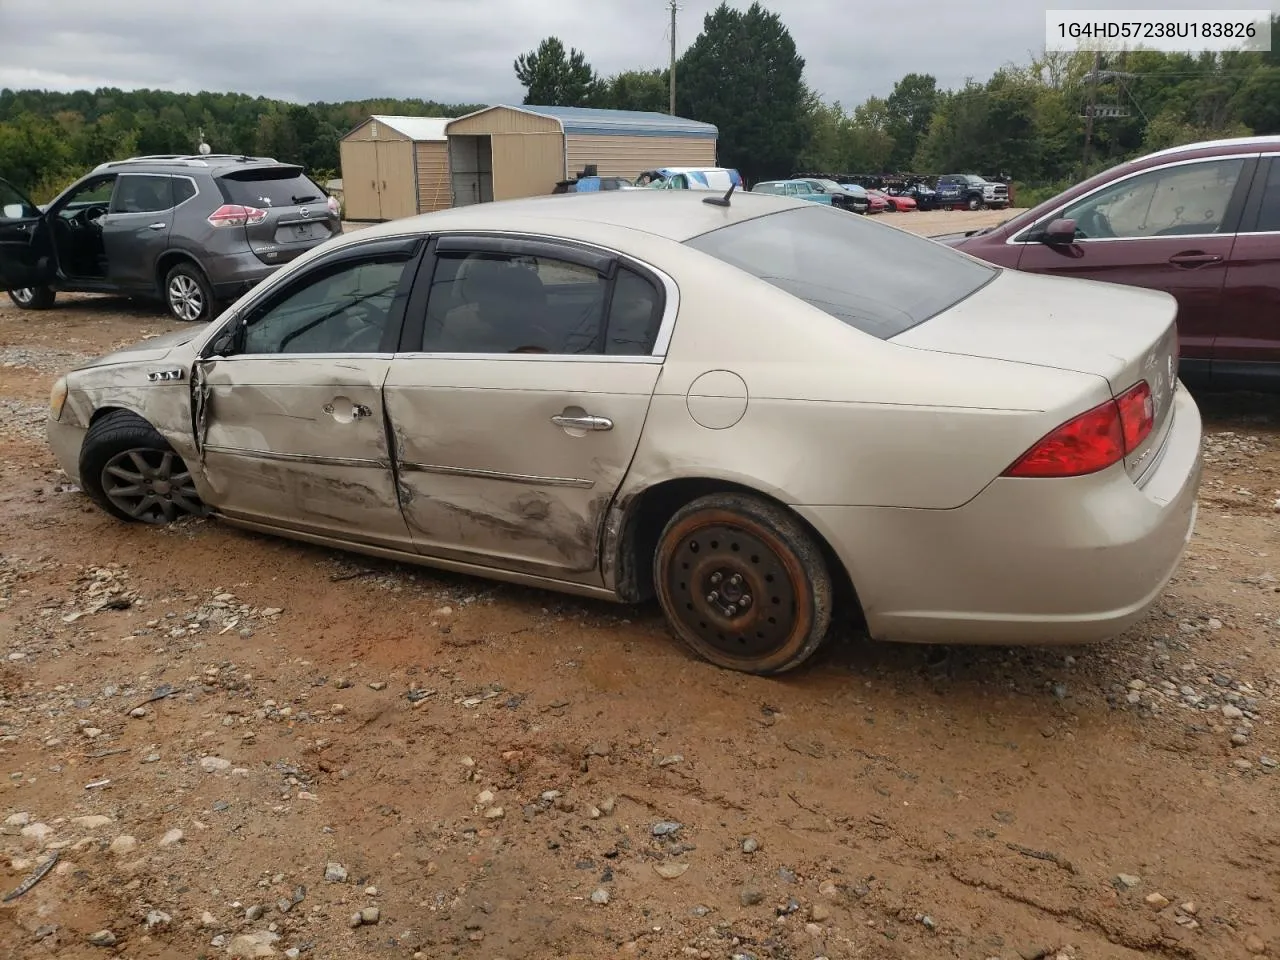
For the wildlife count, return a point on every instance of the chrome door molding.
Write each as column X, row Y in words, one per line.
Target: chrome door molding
column 579, row 483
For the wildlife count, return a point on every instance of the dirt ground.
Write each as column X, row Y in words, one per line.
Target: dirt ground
column 242, row 746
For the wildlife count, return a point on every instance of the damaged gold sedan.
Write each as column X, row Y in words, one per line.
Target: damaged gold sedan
column 771, row 415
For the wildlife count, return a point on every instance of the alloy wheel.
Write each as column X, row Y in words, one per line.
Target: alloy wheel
column 186, row 299
column 153, row 486
column 24, row 295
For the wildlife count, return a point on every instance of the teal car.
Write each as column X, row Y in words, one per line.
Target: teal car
column 817, row 191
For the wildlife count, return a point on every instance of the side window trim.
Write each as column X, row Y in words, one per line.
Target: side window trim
column 410, row 341
column 411, row 248
column 1230, row 218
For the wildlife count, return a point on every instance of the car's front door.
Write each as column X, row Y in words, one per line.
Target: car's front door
column 26, row 242
column 135, row 231
column 1247, row 348
column 519, row 397
column 289, row 405
column 1169, row 228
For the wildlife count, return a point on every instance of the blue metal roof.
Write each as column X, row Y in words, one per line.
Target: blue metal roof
column 623, row 123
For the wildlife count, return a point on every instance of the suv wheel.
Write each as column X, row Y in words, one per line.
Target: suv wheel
column 33, row 298
column 187, row 294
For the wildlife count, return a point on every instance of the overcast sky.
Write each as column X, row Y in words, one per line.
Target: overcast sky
column 461, row 51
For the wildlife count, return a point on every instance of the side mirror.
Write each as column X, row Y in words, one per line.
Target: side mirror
column 1060, row 232
column 229, row 341
column 14, row 211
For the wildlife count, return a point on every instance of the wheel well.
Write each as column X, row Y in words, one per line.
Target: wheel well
column 648, row 513
column 168, row 260
column 102, row 412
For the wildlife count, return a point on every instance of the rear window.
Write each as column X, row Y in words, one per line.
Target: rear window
column 878, row 279
column 269, row 187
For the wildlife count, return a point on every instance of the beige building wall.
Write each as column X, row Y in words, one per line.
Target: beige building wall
column 502, row 120
column 526, row 164
column 630, row 156
column 359, row 160
column 434, row 192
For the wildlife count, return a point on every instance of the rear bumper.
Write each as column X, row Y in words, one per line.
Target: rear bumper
column 1026, row 561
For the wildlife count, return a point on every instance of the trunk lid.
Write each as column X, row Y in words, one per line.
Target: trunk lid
column 1123, row 334
column 297, row 218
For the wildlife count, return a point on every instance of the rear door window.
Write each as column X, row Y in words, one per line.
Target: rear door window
column 1269, row 214
column 268, row 187
column 142, row 193
column 880, row 280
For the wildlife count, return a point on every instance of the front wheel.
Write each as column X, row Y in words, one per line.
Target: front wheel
column 33, row 298
column 188, row 295
column 130, row 471
column 743, row 584
column 975, row 203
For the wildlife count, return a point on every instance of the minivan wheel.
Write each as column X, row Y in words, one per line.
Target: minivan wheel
column 130, row 471
column 33, row 298
column 743, row 584
column 187, row 294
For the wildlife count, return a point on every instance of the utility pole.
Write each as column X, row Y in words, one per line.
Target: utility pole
column 1089, row 110
column 672, row 69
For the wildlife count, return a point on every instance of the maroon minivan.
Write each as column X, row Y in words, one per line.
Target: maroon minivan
column 1200, row 221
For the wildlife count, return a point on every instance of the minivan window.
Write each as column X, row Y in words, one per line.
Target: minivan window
column 269, row 187
column 878, row 279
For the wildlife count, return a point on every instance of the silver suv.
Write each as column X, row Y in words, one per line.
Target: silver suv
column 194, row 231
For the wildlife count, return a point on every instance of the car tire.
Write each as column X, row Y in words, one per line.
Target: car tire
column 775, row 608
column 187, row 294
column 975, row 203
column 132, row 472
column 33, row 298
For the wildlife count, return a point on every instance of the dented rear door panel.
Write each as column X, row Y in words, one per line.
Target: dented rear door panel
column 301, row 443
column 487, row 476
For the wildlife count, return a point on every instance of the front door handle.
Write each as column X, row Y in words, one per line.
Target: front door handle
column 157, row 226
column 1194, row 259
column 339, row 411
column 582, row 422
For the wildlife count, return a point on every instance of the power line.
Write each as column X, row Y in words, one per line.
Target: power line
column 672, row 71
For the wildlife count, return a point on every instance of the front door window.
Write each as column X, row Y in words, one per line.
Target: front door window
column 1187, row 199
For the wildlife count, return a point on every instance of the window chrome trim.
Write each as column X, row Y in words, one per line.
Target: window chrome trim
column 1014, row 241
column 540, row 357
column 161, row 176
column 477, row 474
column 300, row 356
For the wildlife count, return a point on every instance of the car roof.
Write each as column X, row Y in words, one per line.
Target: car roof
column 1225, row 145
column 677, row 215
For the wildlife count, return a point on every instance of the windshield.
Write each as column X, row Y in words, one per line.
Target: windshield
column 829, row 184
column 878, row 279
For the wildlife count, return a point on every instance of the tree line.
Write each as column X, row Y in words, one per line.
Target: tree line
column 48, row 139
column 742, row 73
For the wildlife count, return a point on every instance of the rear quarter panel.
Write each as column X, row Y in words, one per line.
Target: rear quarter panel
column 832, row 415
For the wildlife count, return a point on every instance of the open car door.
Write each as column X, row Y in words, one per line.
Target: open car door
column 26, row 243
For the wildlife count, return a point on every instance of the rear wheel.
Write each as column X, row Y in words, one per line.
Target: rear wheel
column 975, row 203
column 743, row 583
column 187, row 294
column 130, row 470
column 33, row 298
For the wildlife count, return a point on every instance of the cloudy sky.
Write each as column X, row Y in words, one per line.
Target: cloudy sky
column 462, row 50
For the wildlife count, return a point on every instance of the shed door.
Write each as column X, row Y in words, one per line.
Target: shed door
column 396, row 187
column 360, row 192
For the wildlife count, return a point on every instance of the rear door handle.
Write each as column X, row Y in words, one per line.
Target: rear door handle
column 158, row 226
column 584, row 422
column 1194, row 259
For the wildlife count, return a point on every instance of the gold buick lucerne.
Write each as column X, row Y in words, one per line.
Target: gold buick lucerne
column 772, row 415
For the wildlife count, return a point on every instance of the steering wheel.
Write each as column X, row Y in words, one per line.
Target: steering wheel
column 1094, row 225
column 366, row 328
column 88, row 218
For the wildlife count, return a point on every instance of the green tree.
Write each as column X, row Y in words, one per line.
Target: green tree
column 910, row 106
column 744, row 75
column 645, row 90
column 551, row 77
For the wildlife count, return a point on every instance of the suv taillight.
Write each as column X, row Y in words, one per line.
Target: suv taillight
column 1092, row 441
column 235, row 215
column 332, row 204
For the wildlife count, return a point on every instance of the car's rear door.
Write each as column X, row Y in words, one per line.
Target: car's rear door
column 26, row 242
column 135, row 230
column 290, row 420
column 1246, row 350
column 518, row 399
column 1170, row 228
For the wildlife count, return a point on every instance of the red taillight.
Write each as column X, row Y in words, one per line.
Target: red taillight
column 1092, row 441
column 235, row 215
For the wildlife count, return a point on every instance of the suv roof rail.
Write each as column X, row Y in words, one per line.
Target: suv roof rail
column 170, row 158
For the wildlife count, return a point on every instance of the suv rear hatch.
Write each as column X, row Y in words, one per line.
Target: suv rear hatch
column 1125, row 334
column 282, row 211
